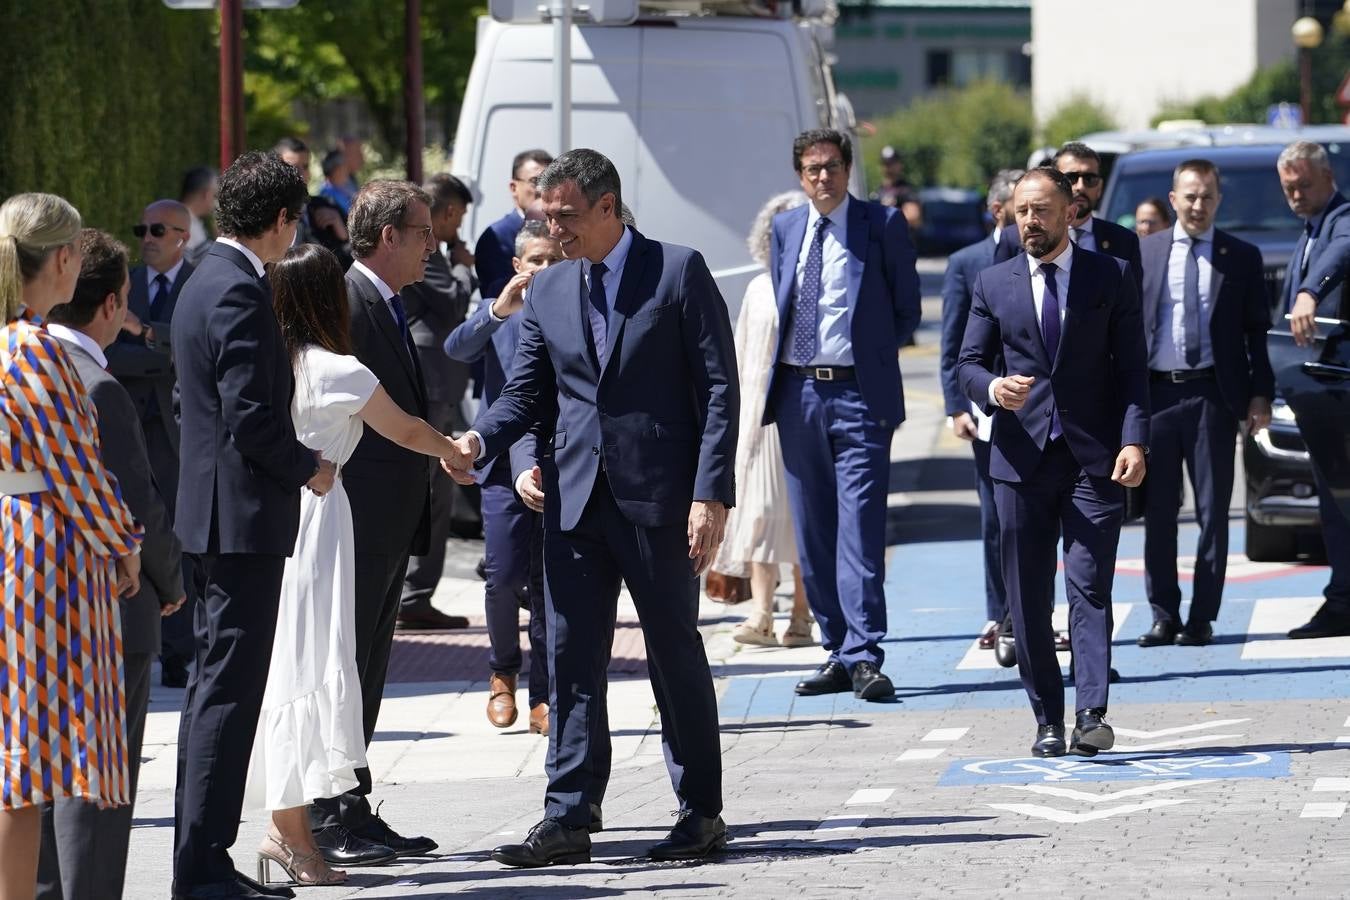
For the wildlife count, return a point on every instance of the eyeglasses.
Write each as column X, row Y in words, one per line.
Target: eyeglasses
column 1089, row 179
column 833, row 167
column 424, row 229
column 158, row 229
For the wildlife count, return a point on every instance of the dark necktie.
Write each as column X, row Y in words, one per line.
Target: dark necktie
column 161, row 299
column 401, row 319
column 599, row 312
column 1190, row 300
column 1307, row 249
column 1050, row 329
column 806, row 309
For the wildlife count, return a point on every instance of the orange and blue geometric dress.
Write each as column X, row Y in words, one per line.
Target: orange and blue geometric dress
column 61, row 698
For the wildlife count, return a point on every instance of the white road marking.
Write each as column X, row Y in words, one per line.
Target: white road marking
column 869, row 795
column 921, row 753
column 1347, row 721
column 1343, row 739
column 1277, row 616
column 1182, row 729
column 1175, row 742
column 839, row 823
column 1068, row 818
column 976, row 658
column 1331, row 784
column 1323, row 810
column 946, row 734
column 1071, row 794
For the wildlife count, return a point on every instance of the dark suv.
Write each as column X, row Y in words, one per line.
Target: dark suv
column 1282, row 517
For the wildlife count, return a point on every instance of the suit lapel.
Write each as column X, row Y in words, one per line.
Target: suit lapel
column 1218, row 264
column 626, row 298
column 794, row 232
column 1078, row 276
column 138, row 300
column 1156, row 257
column 858, row 224
column 379, row 312
column 1024, row 307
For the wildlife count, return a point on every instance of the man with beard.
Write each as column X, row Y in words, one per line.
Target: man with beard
column 1081, row 165
column 1070, row 429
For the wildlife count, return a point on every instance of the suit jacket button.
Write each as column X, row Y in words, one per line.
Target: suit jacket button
column 1049, row 412
column 595, row 451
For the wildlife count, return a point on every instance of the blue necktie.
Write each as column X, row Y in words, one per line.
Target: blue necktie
column 1050, row 327
column 161, row 297
column 401, row 319
column 599, row 312
column 1190, row 312
column 806, row 308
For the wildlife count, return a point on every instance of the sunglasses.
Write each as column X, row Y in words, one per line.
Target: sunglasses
column 156, row 230
column 1089, row 179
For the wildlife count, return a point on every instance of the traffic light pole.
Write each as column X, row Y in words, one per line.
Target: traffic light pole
column 561, row 12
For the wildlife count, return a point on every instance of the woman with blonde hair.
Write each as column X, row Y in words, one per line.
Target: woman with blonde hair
column 68, row 547
column 759, row 533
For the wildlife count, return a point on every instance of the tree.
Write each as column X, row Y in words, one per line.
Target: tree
column 1078, row 116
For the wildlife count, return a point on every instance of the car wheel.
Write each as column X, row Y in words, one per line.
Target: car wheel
column 1271, row 543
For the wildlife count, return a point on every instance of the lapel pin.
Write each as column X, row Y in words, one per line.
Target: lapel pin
column 1106, row 245
column 1223, row 250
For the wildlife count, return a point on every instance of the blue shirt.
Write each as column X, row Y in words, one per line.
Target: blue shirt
column 1169, row 330
column 836, row 338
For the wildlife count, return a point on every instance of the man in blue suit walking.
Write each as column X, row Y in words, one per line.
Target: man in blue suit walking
column 1070, row 429
column 848, row 300
column 626, row 360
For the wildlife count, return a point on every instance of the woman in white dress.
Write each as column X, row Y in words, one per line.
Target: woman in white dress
column 759, row 533
column 310, row 739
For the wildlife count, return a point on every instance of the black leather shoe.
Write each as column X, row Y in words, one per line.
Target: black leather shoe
column 597, row 819
column 1090, row 733
column 870, row 684
column 240, row 888
column 1195, row 635
column 1049, row 741
column 1005, row 648
column 831, row 678
column 550, row 843
column 1324, row 623
column 277, row 891
column 694, row 836
column 377, row 831
column 1162, row 634
column 173, row 673
column 340, row 847
column 428, row 618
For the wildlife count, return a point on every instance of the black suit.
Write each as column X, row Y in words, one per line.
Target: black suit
column 389, row 490
column 435, row 306
column 1195, row 422
column 239, row 507
column 84, row 848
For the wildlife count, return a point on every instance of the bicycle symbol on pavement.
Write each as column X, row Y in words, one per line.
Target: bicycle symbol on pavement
column 1119, row 767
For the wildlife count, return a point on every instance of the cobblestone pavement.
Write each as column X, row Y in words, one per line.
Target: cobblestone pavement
column 1231, row 776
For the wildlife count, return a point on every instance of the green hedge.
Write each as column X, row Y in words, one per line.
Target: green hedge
column 105, row 102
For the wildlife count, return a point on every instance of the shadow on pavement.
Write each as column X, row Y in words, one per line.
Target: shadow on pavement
column 775, row 724
column 934, row 473
column 923, row 523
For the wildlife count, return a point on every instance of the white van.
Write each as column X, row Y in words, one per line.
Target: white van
column 697, row 112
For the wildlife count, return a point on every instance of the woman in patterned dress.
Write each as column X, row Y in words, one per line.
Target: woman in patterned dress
column 68, row 546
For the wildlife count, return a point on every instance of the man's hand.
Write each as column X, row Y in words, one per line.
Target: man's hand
column 1301, row 318
column 530, row 487
column 512, row 298
column 460, row 255
column 322, row 482
column 1258, row 414
column 1129, row 469
column 128, row 569
column 963, row 426
column 175, row 606
column 1011, row 392
column 707, row 527
column 132, row 324
column 459, row 465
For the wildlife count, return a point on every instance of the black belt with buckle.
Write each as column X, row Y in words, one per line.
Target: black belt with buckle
column 1179, row 376
column 824, row 373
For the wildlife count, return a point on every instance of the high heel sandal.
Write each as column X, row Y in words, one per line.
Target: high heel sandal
column 296, row 865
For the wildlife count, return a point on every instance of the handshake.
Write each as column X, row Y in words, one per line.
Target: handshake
column 459, row 458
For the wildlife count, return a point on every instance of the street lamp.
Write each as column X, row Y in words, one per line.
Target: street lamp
column 1307, row 34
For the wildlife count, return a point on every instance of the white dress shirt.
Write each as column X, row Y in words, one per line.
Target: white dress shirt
column 1064, row 264
column 79, row 339
column 1169, row 329
column 248, row 254
column 150, row 276
column 835, row 346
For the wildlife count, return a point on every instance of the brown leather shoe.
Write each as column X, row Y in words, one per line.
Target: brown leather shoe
column 501, row 708
column 539, row 718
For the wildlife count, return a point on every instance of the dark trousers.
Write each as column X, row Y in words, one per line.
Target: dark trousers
column 1190, row 426
column 995, row 595
column 236, row 622
column 379, row 586
column 1336, row 536
column 513, row 535
column 1060, row 498
column 582, row 572
column 424, row 572
column 838, row 473
column 84, row 848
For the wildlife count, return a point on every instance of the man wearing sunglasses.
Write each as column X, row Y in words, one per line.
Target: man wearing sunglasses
column 1083, row 167
column 140, row 360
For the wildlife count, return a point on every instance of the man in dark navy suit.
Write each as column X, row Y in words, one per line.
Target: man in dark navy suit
column 1205, row 316
column 848, row 297
column 626, row 359
column 1083, row 167
column 1070, row 428
column 1315, row 287
column 238, row 507
column 497, row 245
column 968, row 422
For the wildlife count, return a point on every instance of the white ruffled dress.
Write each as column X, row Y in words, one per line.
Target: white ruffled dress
column 310, row 738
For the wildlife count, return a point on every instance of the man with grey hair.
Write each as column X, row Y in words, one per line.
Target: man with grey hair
column 388, row 487
column 626, row 360
column 1314, row 287
column 967, row 421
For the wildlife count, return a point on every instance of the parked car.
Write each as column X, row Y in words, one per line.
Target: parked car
column 952, row 218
